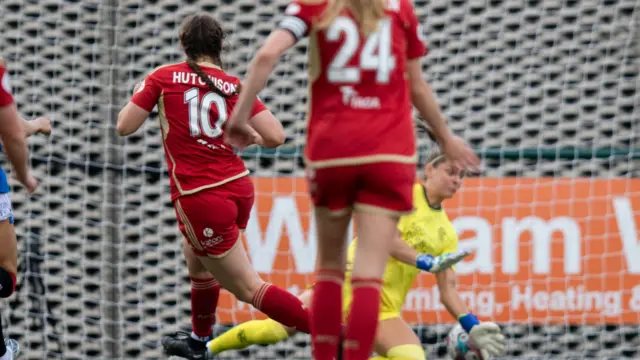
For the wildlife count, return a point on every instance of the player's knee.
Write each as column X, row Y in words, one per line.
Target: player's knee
column 7, row 283
column 246, row 291
column 406, row 352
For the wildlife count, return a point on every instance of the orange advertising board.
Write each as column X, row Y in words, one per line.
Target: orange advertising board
column 545, row 250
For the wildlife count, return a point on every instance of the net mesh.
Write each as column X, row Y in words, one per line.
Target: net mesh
column 543, row 89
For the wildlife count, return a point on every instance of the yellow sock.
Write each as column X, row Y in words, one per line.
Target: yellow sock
column 378, row 358
column 261, row 332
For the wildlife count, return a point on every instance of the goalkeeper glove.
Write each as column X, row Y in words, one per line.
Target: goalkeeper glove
column 487, row 336
column 437, row 264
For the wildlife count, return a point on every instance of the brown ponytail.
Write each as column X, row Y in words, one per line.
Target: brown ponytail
column 202, row 36
column 207, row 80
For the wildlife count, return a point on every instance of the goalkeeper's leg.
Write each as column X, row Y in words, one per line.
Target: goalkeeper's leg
column 205, row 291
column 395, row 340
column 255, row 332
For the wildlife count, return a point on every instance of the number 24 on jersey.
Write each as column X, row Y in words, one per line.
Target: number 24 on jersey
column 375, row 55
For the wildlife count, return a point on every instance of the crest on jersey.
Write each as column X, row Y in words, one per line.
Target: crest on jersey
column 292, row 9
column 5, row 83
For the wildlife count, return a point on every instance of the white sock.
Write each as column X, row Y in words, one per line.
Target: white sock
column 193, row 336
column 8, row 355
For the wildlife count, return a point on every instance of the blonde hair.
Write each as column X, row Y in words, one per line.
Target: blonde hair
column 435, row 158
column 367, row 13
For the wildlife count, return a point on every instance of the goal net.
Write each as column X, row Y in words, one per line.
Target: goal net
column 545, row 90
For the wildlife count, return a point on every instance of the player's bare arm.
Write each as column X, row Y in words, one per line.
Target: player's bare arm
column 278, row 42
column 424, row 100
column 402, row 252
column 130, row 119
column 40, row 125
column 14, row 140
column 269, row 130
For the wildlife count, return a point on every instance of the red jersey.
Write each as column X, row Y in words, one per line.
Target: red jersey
column 361, row 110
column 192, row 119
column 5, row 89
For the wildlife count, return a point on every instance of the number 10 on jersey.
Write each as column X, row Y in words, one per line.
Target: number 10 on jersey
column 200, row 113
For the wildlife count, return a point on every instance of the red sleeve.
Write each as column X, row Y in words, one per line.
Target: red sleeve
column 147, row 95
column 5, row 88
column 258, row 107
column 415, row 33
column 297, row 19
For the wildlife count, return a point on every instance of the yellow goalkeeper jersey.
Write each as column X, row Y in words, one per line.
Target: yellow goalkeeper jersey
column 426, row 229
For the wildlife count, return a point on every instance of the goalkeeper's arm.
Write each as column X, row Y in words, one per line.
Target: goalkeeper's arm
column 401, row 251
column 453, row 302
column 446, row 277
column 487, row 336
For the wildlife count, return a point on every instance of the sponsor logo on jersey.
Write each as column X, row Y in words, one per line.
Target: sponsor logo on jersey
column 351, row 98
column 209, row 145
column 211, row 238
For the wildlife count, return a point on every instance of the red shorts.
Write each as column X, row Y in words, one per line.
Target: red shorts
column 384, row 186
column 212, row 219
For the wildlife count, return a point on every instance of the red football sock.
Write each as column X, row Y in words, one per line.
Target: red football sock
column 281, row 306
column 326, row 314
column 363, row 319
column 204, row 301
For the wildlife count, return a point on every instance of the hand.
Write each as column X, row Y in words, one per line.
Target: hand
column 30, row 183
column 240, row 136
column 437, row 264
column 488, row 338
column 455, row 149
column 43, row 125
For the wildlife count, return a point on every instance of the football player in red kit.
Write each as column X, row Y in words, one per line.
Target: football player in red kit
column 210, row 188
column 364, row 74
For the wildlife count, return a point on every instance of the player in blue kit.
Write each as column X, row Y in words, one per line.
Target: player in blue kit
column 13, row 132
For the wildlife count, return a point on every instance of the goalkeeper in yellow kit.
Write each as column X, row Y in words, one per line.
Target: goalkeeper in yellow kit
column 426, row 241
